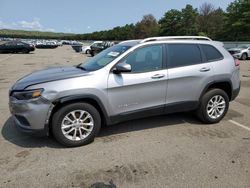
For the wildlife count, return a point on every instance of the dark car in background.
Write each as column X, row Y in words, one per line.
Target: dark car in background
column 15, row 47
column 98, row 47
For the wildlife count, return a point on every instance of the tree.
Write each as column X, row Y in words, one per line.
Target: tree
column 182, row 22
column 189, row 20
column 147, row 27
column 210, row 20
column 238, row 20
column 170, row 23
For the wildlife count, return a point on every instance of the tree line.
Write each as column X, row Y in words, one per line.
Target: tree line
column 233, row 24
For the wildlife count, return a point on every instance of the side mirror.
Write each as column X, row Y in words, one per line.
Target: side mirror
column 122, row 67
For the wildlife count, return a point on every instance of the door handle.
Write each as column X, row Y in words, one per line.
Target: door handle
column 204, row 69
column 158, row 76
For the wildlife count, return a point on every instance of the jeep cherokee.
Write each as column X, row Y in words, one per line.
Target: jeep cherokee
column 133, row 79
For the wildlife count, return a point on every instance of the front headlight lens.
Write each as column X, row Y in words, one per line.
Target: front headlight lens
column 27, row 95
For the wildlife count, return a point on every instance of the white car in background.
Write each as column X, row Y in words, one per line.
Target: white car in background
column 241, row 52
column 87, row 49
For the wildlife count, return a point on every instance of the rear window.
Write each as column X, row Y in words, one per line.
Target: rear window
column 211, row 53
column 183, row 55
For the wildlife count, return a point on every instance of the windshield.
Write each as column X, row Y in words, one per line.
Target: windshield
column 242, row 46
column 104, row 58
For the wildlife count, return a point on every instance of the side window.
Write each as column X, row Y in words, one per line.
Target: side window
column 9, row 44
column 211, row 53
column 145, row 59
column 183, row 55
column 20, row 44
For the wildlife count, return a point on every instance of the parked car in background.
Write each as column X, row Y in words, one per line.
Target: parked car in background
column 241, row 52
column 47, row 44
column 87, row 49
column 98, row 47
column 15, row 47
column 133, row 79
column 77, row 47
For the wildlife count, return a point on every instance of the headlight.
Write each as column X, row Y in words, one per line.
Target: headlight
column 26, row 95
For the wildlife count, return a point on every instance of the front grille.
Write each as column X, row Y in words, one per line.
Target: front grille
column 22, row 120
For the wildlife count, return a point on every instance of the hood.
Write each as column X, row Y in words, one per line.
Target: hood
column 48, row 75
column 235, row 49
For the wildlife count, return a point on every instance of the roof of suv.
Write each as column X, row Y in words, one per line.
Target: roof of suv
column 171, row 39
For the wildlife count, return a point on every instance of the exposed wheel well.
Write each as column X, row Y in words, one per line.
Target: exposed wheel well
column 225, row 86
column 93, row 102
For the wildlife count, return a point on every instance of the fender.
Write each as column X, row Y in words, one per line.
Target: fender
column 86, row 97
column 217, row 82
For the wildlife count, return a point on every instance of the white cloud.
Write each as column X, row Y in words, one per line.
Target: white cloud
column 33, row 25
column 26, row 25
column 88, row 27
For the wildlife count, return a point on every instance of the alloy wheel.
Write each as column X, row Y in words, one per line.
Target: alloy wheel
column 216, row 107
column 77, row 125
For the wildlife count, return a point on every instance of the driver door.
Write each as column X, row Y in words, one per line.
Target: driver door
column 142, row 91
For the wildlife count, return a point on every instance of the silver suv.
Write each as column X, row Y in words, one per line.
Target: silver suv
column 130, row 80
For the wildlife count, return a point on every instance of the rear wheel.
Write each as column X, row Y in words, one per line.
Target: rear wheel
column 76, row 124
column 214, row 106
column 87, row 51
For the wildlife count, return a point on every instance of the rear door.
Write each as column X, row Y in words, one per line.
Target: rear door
column 188, row 74
column 20, row 47
column 143, row 89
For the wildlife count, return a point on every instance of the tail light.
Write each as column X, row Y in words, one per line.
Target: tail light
column 236, row 62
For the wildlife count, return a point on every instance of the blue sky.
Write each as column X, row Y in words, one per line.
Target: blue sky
column 84, row 16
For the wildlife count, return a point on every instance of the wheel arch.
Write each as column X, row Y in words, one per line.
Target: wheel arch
column 225, row 85
column 244, row 53
column 90, row 99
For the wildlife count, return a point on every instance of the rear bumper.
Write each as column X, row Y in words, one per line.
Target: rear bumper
column 235, row 93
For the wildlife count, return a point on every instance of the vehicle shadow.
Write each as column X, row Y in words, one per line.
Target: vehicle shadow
column 12, row 135
column 148, row 123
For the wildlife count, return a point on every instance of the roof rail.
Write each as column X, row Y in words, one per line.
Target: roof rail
column 129, row 41
column 174, row 38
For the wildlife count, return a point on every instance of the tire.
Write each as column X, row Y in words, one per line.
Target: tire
column 59, row 118
column 87, row 51
column 204, row 112
column 244, row 56
column 25, row 51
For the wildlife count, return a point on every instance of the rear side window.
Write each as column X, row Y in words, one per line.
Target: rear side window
column 211, row 53
column 183, row 55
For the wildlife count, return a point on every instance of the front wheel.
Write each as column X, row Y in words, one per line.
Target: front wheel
column 76, row 124
column 213, row 106
column 244, row 56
